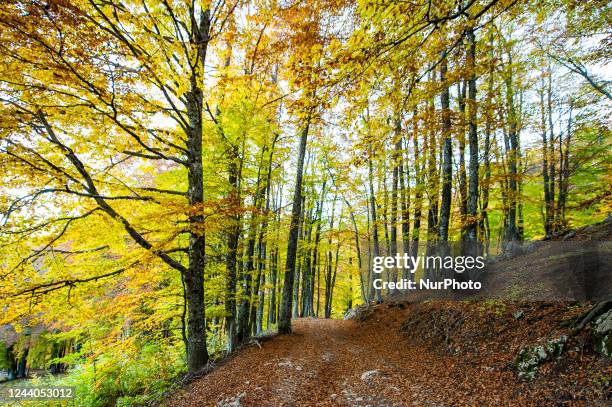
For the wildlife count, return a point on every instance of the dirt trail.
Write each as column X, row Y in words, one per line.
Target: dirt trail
column 348, row 363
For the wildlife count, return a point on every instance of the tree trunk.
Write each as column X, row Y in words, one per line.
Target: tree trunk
column 375, row 241
column 232, row 249
column 447, row 165
column 545, row 174
column 405, row 208
column 433, row 186
column 22, row 362
column 328, row 275
column 472, row 201
column 197, row 353
column 274, row 260
column 461, row 96
column 296, row 287
column 273, row 278
column 511, row 233
column 284, row 323
column 564, row 187
column 394, row 186
column 328, row 312
column 433, row 179
column 315, row 254
column 11, row 360
column 363, row 290
column 551, row 143
column 382, row 179
column 418, row 194
column 307, row 265
column 484, row 218
column 260, row 307
column 244, row 312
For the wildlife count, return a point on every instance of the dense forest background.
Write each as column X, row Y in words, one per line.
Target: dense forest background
column 181, row 175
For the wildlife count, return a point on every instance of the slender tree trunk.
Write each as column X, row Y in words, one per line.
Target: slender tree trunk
column 315, row 255
column 433, row 187
column 551, row 143
column 394, row 187
column 405, row 208
column 260, row 307
column 296, row 289
column 374, row 225
column 349, row 302
column 298, row 269
column 273, row 312
column 447, row 165
column 284, row 323
column 363, row 291
column 472, row 202
column 512, row 233
column 263, row 244
column 418, row 194
column 245, row 319
column 318, row 286
column 369, row 288
column 273, row 278
column 461, row 96
column 382, row 167
column 232, row 248
column 545, row 174
column 307, row 267
column 433, row 180
column 328, row 275
column 257, row 290
column 484, row 218
column 328, row 312
column 565, row 171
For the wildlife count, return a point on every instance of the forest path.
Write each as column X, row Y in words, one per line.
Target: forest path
column 344, row 363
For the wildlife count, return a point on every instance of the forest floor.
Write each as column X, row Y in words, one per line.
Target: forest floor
column 379, row 362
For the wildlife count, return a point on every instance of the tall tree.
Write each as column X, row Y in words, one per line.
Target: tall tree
column 472, row 201
column 284, row 320
column 447, row 165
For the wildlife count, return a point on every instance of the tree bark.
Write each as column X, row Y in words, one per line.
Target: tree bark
column 394, row 193
column 545, row 175
column 418, row 194
column 328, row 275
column 447, row 166
column 511, row 232
column 433, row 179
column 462, row 176
column 405, row 208
column 373, row 292
column 551, row 153
column 232, row 248
column 565, row 173
column 197, row 353
column 472, row 202
column 484, row 218
column 315, row 254
column 244, row 311
column 284, row 323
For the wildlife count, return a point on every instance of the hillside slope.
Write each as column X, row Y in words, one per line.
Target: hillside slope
column 431, row 354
